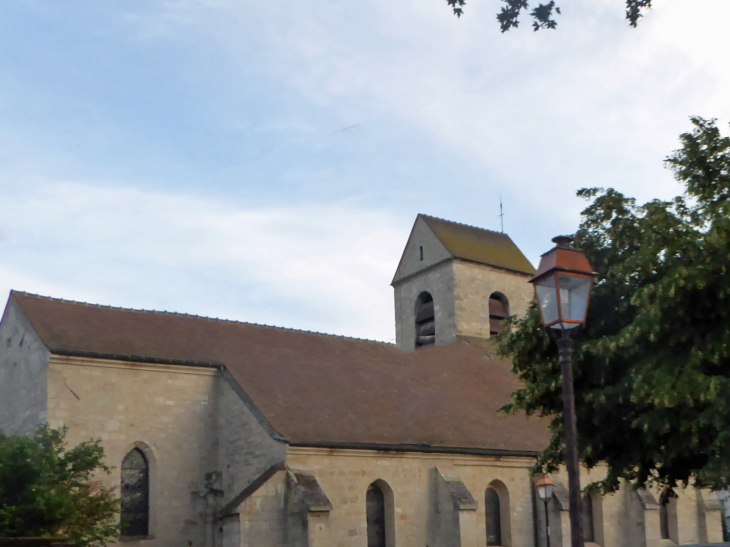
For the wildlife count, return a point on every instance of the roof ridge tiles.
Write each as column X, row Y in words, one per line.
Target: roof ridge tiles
column 208, row 318
column 464, row 224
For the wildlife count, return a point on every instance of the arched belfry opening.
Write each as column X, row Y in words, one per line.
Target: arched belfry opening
column 425, row 321
column 498, row 312
column 135, row 517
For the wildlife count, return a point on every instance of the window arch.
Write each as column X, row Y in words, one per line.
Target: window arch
column 425, row 321
column 668, row 516
column 496, row 513
column 135, row 496
column 588, row 530
column 493, row 515
column 380, row 513
column 498, row 312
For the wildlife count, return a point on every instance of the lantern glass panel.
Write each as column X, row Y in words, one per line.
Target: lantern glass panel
column 547, row 298
column 545, row 491
column 574, row 292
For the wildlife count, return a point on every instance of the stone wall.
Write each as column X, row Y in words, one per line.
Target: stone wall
column 473, row 285
column 439, row 282
column 23, row 374
column 169, row 412
column 345, row 475
column 289, row 510
column 461, row 292
column 203, row 445
column 247, row 452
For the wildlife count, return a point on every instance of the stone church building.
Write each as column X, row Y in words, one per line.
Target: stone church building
column 229, row 434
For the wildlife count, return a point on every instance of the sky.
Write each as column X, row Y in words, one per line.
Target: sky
column 265, row 161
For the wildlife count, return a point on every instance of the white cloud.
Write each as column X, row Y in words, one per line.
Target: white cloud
column 319, row 268
column 594, row 103
column 534, row 115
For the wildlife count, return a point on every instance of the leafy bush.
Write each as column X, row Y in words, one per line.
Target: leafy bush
column 47, row 489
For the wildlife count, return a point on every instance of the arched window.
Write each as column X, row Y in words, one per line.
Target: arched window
column 135, row 519
column 498, row 312
column 375, row 501
column 493, row 514
column 588, row 532
column 664, row 515
column 425, row 321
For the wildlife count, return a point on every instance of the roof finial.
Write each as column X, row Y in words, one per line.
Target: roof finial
column 501, row 214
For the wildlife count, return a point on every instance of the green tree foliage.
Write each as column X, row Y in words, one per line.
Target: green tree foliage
column 652, row 365
column 47, row 489
column 542, row 15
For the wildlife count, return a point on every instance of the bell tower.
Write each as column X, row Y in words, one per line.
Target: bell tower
column 457, row 280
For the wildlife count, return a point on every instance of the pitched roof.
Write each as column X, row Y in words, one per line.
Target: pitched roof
column 479, row 245
column 313, row 388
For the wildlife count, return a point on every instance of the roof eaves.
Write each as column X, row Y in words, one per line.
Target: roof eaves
column 425, row 448
column 178, row 314
column 133, row 358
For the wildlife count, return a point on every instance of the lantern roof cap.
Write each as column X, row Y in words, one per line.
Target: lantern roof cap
column 563, row 242
column 565, row 258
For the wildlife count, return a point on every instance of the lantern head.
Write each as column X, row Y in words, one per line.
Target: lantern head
column 544, row 488
column 562, row 285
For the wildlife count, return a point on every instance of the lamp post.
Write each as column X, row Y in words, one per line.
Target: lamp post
column 562, row 288
column 545, row 491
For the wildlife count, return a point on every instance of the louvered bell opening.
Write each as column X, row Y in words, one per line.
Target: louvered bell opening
column 425, row 313
column 497, row 308
column 497, row 313
column 425, row 325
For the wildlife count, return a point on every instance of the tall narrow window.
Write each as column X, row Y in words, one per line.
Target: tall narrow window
column 494, row 517
column 664, row 515
column 588, row 532
column 135, row 494
column 498, row 312
column 375, row 501
column 421, row 248
column 425, row 321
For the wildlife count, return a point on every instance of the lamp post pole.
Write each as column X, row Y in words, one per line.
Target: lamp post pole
column 565, row 351
column 545, row 491
column 562, row 289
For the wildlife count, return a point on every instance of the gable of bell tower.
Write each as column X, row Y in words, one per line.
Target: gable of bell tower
column 457, row 280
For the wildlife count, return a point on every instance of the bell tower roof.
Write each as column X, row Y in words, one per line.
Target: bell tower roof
column 465, row 242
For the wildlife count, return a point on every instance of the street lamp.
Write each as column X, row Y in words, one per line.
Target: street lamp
column 562, row 288
column 545, row 491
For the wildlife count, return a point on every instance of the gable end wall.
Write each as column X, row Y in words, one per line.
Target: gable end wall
column 23, row 374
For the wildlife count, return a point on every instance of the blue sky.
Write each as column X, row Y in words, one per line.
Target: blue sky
column 193, row 155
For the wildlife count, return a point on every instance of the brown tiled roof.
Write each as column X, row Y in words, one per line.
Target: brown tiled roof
column 479, row 245
column 314, row 388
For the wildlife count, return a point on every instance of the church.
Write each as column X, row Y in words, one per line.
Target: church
column 232, row 434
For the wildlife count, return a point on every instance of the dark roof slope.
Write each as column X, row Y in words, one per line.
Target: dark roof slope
column 311, row 387
column 479, row 245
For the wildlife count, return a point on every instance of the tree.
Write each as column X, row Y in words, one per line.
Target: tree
column 652, row 372
column 49, row 490
column 542, row 15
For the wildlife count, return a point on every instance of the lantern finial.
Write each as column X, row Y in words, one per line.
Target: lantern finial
column 563, row 241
